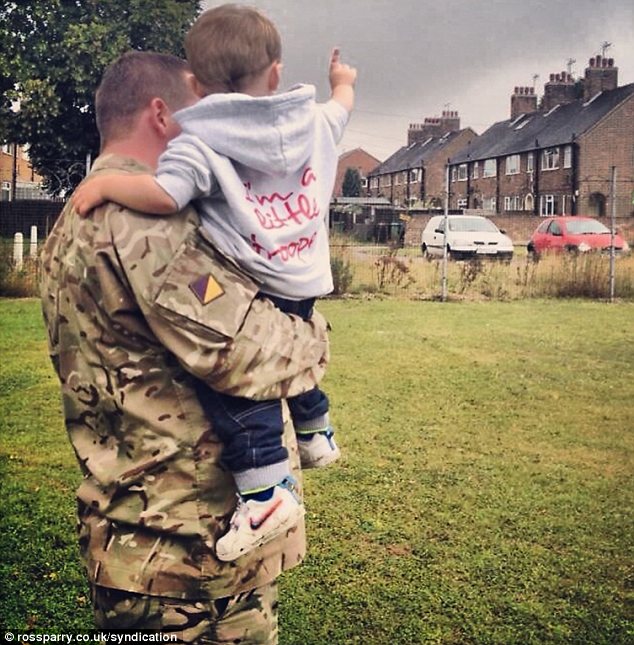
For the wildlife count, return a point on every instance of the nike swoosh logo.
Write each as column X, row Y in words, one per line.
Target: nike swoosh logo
column 257, row 523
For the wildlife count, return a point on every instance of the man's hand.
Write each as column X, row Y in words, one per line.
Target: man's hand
column 88, row 196
column 342, row 78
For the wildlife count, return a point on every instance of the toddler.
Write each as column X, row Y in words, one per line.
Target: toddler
column 262, row 167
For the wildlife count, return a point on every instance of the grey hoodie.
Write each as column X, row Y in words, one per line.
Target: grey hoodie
column 262, row 170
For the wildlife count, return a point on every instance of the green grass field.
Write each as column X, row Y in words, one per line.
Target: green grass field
column 485, row 493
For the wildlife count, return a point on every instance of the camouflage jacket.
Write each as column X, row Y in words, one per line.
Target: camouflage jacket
column 142, row 312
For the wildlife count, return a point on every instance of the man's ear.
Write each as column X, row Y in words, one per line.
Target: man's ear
column 275, row 76
column 160, row 116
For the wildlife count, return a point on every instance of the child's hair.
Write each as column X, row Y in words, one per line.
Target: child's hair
column 229, row 45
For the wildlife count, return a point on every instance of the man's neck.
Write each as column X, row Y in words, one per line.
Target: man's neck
column 144, row 154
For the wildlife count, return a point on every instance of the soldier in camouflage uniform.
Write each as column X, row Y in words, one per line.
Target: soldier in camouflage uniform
column 142, row 312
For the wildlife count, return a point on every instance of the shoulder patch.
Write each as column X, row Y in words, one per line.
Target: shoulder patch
column 206, row 289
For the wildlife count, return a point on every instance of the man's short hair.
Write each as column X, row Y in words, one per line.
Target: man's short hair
column 131, row 82
column 229, row 44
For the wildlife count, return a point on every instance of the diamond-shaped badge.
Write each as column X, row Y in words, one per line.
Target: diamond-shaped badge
column 206, row 289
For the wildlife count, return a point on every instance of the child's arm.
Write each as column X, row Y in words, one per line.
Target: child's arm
column 138, row 192
column 342, row 78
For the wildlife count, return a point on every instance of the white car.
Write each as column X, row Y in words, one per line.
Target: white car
column 468, row 236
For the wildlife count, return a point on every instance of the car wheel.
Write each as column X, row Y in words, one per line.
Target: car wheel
column 532, row 253
column 453, row 255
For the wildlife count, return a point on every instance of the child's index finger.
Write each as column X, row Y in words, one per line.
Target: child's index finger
column 334, row 57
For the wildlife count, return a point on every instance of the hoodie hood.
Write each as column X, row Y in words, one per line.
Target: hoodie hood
column 271, row 134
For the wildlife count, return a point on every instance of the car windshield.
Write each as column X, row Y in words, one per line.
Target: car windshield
column 585, row 226
column 472, row 225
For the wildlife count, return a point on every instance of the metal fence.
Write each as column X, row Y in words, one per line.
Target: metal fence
column 396, row 268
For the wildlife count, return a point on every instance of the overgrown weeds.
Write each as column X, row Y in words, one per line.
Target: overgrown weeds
column 391, row 272
column 342, row 272
column 17, row 282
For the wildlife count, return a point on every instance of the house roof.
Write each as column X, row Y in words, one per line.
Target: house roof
column 344, row 155
column 414, row 155
column 542, row 129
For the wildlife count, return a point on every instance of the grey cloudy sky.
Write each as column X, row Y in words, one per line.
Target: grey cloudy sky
column 418, row 57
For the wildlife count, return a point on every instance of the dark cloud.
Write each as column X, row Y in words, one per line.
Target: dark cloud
column 416, row 56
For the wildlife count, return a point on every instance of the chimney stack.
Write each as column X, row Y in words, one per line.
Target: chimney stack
column 450, row 121
column 523, row 101
column 559, row 90
column 433, row 127
column 601, row 76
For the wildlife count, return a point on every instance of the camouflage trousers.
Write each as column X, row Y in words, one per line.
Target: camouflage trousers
column 248, row 618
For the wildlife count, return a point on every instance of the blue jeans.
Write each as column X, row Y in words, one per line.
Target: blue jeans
column 251, row 431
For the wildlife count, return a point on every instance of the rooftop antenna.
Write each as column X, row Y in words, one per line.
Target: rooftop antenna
column 604, row 47
column 535, row 77
column 570, row 63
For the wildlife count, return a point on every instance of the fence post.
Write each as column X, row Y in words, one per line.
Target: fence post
column 18, row 250
column 33, row 248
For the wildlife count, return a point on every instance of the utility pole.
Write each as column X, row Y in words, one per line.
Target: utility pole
column 612, row 233
column 444, row 240
column 14, row 172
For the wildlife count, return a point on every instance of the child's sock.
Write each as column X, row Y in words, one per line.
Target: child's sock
column 258, row 495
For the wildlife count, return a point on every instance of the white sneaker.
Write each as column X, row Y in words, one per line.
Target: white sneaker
column 319, row 450
column 255, row 523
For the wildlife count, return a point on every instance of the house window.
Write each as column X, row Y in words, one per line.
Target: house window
column 474, row 171
column 512, row 164
column 454, row 174
column 462, row 172
column 462, row 203
column 529, row 162
column 414, row 176
column 513, row 203
column 547, row 205
column 550, row 159
column 5, row 191
column 488, row 204
column 567, row 156
column 489, row 168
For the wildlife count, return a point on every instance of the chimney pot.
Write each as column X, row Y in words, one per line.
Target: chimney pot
column 552, row 78
column 598, row 60
column 610, row 62
column 591, row 62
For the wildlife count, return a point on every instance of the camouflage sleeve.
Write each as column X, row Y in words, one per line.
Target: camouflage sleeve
column 203, row 308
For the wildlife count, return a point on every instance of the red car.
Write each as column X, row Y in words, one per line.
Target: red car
column 575, row 234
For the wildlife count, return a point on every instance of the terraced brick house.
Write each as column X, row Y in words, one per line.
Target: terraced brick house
column 17, row 178
column 555, row 157
column 360, row 160
column 414, row 176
